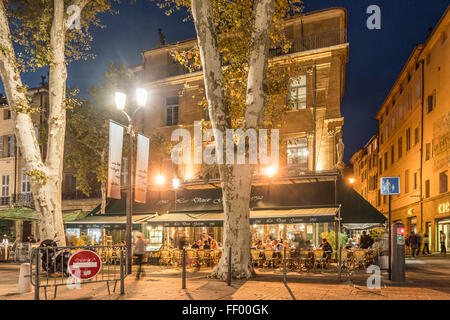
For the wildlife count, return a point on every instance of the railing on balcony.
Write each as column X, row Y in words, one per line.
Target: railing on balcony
column 315, row 41
column 23, row 199
column 5, row 201
column 311, row 42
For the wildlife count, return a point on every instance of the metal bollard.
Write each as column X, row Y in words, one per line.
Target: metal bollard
column 122, row 273
column 183, row 274
column 229, row 268
column 284, row 265
column 36, row 281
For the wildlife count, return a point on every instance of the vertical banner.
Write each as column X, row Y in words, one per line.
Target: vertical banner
column 140, row 192
column 115, row 159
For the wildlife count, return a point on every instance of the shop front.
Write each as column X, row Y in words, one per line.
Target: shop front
column 443, row 222
column 102, row 229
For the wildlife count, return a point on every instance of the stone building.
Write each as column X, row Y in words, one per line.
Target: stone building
column 414, row 130
column 309, row 131
column 364, row 175
column 17, row 216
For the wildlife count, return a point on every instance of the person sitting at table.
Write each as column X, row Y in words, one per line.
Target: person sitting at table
column 349, row 244
column 277, row 245
column 206, row 245
column 259, row 245
column 327, row 249
column 214, row 245
column 365, row 241
column 268, row 244
column 195, row 245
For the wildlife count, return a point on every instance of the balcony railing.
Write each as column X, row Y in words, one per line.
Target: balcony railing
column 315, row 41
column 78, row 195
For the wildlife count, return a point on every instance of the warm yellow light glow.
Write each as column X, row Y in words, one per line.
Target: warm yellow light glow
column 141, row 97
column 120, row 99
column 351, row 180
column 270, row 171
column 160, row 179
column 188, row 175
column 176, row 183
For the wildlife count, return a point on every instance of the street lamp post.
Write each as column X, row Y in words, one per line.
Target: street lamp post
column 120, row 99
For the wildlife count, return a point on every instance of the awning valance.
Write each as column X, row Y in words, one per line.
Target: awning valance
column 266, row 216
column 27, row 214
column 107, row 221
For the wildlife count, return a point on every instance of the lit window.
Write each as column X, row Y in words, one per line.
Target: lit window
column 171, row 111
column 297, row 93
column 297, row 152
column 26, row 187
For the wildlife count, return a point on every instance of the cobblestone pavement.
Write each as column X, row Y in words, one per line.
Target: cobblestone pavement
column 428, row 278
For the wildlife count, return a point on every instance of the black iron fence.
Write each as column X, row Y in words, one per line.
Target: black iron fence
column 49, row 268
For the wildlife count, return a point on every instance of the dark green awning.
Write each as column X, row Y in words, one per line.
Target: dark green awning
column 27, row 214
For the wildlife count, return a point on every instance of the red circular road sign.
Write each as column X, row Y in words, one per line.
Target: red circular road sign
column 84, row 264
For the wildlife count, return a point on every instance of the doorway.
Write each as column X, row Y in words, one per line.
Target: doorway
column 445, row 227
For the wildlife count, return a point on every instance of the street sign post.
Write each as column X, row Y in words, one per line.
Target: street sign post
column 84, row 264
column 390, row 186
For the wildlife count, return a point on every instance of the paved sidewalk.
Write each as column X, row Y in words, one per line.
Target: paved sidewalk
column 428, row 278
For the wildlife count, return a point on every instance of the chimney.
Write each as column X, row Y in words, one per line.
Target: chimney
column 161, row 38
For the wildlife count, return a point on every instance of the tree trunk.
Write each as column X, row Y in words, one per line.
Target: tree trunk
column 103, row 206
column 236, row 189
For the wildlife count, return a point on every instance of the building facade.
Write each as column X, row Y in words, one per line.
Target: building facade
column 414, row 131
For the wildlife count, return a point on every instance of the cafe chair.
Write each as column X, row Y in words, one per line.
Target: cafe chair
column 269, row 258
column 201, row 258
column 359, row 259
column 176, row 257
column 319, row 259
column 164, row 257
column 191, row 257
column 257, row 259
column 305, row 260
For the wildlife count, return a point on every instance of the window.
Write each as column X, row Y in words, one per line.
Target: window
column 69, row 184
column 25, row 187
column 400, row 147
column 156, row 235
column 297, row 152
column 407, row 181
column 416, row 135
column 415, row 180
column 427, row 151
column 5, row 185
column 393, row 123
column 381, row 166
column 207, row 115
column 431, row 102
column 381, row 139
column 385, row 161
column 427, row 188
column 443, row 182
column 392, row 154
column 6, row 114
column 297, row 93
column 11, row 145
column 1, row 146
column 400, row 112
column 172, row 111
column 408, row 139
column 428, row 58
column 387, row 131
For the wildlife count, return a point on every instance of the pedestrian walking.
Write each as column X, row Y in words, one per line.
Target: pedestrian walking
column 442, row 239
column 413, row 243
column 139, row 252
column 426, row 243
column 419, row 237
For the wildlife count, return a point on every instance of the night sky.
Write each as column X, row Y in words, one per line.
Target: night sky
column 376, row 56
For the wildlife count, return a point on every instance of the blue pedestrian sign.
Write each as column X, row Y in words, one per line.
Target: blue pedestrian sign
column 390, row 185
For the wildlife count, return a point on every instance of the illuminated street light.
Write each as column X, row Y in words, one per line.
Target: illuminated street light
column 176, row 183
column 160, row 179
column 141, row 97
column 351, row 180
column 271, row 171
column 120, row 99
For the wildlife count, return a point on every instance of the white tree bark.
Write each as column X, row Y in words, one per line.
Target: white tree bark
column 45, row 178
column 236, row 180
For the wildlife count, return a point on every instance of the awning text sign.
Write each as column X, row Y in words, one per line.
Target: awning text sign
column 84, row 264
column 390, row 185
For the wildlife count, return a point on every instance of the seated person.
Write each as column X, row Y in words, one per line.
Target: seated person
column 259, row 245
column 206, row 245
column 327, row 249
column 365, row 241
column 214, row 245
column 268, row 244
column 349, row 244
column 196, row 245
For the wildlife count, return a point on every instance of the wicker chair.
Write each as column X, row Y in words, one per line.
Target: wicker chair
column 176, row 257
column 359, row 259
column 305, row 261
column 164, row 257
column 257, row 259
column 191, row 257
column 268, row 258
column 319, row 259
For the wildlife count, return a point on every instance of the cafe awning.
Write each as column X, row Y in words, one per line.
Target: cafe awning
column 107, row 221
column 263, row 216
column 27, row 214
